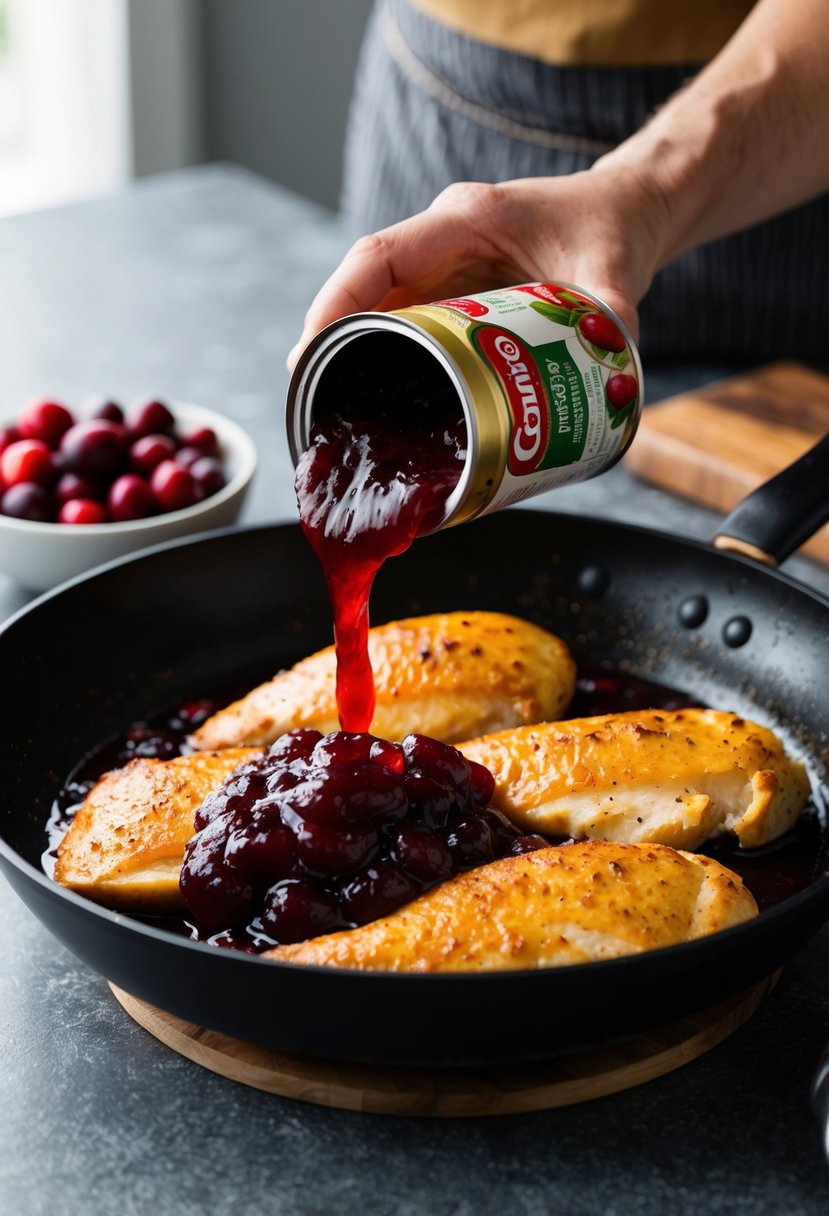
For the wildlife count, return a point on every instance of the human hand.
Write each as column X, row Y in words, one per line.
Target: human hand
column 598, row 229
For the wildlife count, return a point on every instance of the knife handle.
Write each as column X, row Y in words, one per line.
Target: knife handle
column 820, row 1098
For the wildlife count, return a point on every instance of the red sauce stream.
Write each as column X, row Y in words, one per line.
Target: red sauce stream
column 366, row 488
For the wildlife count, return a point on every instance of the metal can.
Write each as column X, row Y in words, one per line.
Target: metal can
column 548, row 378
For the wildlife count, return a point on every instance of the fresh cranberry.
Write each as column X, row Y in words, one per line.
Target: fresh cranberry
column 27, row 500
column 101, row 407
column 27, row 460
column 149, row 418
column 46, row 420
column 173, row 487
column 471, row 843
column 295, row 745
column 209, row 474
column 187, row 457
column 94, row 448
column 8, row 436
column 422, row 853
column 621, row 389
column 295, row 910
column 147, row 454
column 602, row 332
column 130, row 497
column 73, row 485
column 82, row 511
column 377, row 892
column 201, row 437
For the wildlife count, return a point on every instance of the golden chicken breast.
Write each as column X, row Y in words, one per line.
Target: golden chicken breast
column 674, row 777
column 578, row 903
column 451, row 675
column 126, row 843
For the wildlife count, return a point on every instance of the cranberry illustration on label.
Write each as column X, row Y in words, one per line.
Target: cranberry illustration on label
column 602, row 332
column 517, row 371
column 472, row 308
column 621, row 389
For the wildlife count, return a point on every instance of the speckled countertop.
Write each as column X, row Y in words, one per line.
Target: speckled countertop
column 193, row 286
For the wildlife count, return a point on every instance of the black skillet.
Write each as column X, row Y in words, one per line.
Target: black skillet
column 83, row 662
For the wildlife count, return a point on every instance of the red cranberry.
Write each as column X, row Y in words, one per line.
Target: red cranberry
column 431, row 800
column 147, row 454
column 100, row 407
column 295, row 745
column 482, row 784
column 27, row 460
column 187, row 457
column 192, row 714
column 527, row 844
column 201, row 437
column 350, row 793
column 173, row 487
column 342, row 747
column 217, row 895
column 422, row 853
column 82, row 511
column 73, row 485
column 151, row 743
column 377, row 892
column 295, row 910
column 269, row 850
column 209, row 474
column 149, row 418
column 46, row 420
column 471, row 843
column 130, row 497
column 441, row 761
column 8, row 435
column 621, row 389
column 334, row 851
column 95, row 448
column 26, row 500
column 388, row 755
column 601, row 331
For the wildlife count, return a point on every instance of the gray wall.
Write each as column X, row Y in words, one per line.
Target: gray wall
column 277, row 77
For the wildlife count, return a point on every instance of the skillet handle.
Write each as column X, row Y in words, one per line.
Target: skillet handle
column 779, row 516
column 820, row 1098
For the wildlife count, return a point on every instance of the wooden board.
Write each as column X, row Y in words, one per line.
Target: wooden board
column 720, row 442
column 453, row 1092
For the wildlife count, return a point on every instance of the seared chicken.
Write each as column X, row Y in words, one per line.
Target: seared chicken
column 578, row 903
column 450, row 675
column 126, row 843
column 674, row 777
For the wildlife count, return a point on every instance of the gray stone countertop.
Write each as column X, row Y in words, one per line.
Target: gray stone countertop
column 193, row 286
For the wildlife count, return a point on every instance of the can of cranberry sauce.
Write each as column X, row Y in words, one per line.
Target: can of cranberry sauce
column 548, row 378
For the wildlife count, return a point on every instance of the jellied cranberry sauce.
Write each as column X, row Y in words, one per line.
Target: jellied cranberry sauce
column 326, row 833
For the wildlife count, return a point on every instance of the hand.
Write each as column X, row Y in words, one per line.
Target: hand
column 597, row 229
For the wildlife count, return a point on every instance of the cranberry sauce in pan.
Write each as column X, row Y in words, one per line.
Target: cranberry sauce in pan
column 368, row 485
column 474, row 834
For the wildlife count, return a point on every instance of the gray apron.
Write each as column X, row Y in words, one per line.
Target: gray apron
column 432, row 106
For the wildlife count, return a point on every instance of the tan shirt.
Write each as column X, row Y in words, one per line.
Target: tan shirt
column 596, row 33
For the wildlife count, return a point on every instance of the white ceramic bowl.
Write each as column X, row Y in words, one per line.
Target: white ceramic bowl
column 41, row 555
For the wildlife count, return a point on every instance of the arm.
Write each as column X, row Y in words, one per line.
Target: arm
column 746, row 139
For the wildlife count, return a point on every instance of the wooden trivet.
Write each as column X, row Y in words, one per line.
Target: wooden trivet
column 718, row 443
column 453, row 1092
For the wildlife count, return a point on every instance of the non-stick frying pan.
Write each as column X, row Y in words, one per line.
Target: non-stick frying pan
column 83, row 662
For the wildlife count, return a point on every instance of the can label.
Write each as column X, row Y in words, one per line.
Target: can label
column 569, row 378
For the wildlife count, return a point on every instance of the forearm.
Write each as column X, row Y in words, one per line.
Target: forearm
column 747, row 139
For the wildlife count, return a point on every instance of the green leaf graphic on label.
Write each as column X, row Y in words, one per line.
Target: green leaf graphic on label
column 619, row 416
column 622, row 359
column 561, row 316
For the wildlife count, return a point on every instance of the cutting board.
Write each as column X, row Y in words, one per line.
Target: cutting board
column 718, row 443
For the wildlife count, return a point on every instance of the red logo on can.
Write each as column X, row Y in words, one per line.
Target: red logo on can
column 472, row 308
column 516, row 369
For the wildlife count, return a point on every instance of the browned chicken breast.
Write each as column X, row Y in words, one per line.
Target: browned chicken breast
column 126, row 843
column 675, row 777
column 578, row 903
column 451, row 675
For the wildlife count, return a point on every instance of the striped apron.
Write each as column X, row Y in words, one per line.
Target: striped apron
column 432, row 106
